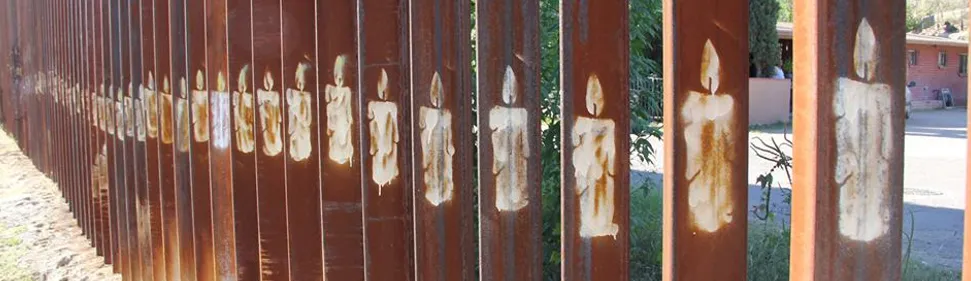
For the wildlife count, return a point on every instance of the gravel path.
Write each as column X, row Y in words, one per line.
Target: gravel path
column 38, row 235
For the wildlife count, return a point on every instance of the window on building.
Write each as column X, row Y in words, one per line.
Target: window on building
column 912, row 57
column 963, row 64
column 942, row 59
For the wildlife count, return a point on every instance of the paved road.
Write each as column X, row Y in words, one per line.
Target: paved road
column 934, row 181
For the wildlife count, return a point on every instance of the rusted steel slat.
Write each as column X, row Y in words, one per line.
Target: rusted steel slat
column 183, row 135
column 240, row 52
column 132, row 166
column 221, row 160
column 300, row 114
column 441, row 129
column 86, row 132
column 596, row 120
column 706, row 104
column 195, row 20
column 71, row 141
column 270, row 151
column 849, row 136
column 99, row 169
column 119, row 185
column 166, row 124
column 966, row 263
column 89, row 122
column 510, row 168
column 152, row 223
column 388, row 189
column 104, row 124
column 142, row 207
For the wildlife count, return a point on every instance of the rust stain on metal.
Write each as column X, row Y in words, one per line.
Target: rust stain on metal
column 595, row 114
column 271, row 170
column 341, row 177
column 240, row 58
column 849, row 121
column 299, row 80
column 440, row 87
column 510, row 173
column 706, row 106
column 221, row 156
column 388, row 189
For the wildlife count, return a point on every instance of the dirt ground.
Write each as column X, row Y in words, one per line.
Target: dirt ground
column 39, row 240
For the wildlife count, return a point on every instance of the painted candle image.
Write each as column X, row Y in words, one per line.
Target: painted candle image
column 437, row 150
column 594, row 162
column 99, row 105
column 510, row 148
column 270, row 116
column 109, row 110
column 708, row 119
column 182, row 124
column 244, row 113
column 165, row 108
column 220, row 104
column 300, row 115
column 863, row 135
column 120, row 115
column 129, row 119
column 200, row 109
column 383, row 125
column 340, row 117
column 150, row 98
column 139, row 112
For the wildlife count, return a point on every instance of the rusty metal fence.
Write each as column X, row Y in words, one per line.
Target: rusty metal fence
column 312, row 140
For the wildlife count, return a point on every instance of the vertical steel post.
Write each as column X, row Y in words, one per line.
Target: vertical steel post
column 199, row 86
column 301, row 96
column 510, row 168
column 142, row 207
column 270, row 146
column 107, row 96
column 385, row 139
column 166, row 134
column 221, row 160
column 849, row 132
column 149, row 91
column 706, row 139
column 595, row 117
column 341, row 152
column 240, row 79
column 441, row 128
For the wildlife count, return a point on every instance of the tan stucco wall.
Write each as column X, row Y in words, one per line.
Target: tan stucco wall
column 768, row 100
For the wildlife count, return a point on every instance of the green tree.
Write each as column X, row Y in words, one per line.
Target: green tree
column 785, row 10
column 763, row 38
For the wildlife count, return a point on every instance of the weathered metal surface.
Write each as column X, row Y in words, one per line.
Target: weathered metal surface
column 510, row 168
column 388, row 189
column 595, row 117
column 115, row 156
column 220, row 153
column 182, row 76
column 128, row 138
column 100, row 64
column 107, row 195
column 141, row 28
column 151, row 222
column 240, row 82
column 340, row 147
column 166, row 123
column 441, row 129
column 706, row 139
column 89, row 122
column 199, row 97
column 849, row 133
column 270, row 147
column 301, row 96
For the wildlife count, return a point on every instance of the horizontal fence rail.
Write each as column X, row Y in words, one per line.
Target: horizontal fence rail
column 365, row 140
